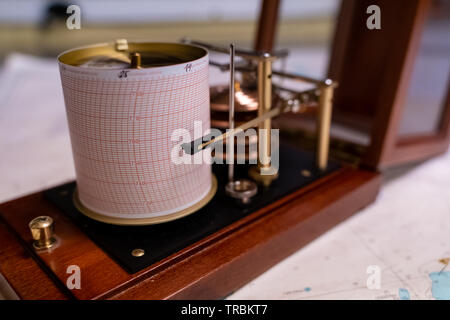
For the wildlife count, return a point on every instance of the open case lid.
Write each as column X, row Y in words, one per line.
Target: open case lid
column 394, row 81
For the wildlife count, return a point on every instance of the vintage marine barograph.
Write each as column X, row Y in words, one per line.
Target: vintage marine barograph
column 140, row 226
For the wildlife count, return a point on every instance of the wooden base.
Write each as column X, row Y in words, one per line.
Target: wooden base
column 209, row 269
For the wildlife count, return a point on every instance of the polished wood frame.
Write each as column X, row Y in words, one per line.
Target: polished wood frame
column 212, row 268
column 374, row 69
column 267, row 25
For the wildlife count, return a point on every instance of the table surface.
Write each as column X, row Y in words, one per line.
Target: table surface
column 397, row 248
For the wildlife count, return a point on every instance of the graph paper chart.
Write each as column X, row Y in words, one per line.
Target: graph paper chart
column 121, row 123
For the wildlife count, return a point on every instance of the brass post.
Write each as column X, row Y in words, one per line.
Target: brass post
column 135, row 60
column 265, row 103
column 261, row 173
column 324, row 123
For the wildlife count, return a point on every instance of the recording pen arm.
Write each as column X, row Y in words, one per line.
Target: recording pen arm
column 199, row 144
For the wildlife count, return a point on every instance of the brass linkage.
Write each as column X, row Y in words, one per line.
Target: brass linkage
column 298, row 101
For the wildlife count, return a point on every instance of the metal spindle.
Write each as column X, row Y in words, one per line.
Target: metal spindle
column 230, row 143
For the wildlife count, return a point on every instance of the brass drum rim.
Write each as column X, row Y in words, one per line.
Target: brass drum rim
column 145, row 221
column 187, row 52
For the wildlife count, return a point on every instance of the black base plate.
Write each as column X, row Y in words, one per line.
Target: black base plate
column 161, row 240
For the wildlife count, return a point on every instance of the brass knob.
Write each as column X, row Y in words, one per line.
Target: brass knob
column 42, row 230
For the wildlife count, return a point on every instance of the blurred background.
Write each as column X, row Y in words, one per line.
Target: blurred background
column 38, row 27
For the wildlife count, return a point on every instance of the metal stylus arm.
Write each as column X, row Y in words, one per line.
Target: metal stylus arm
column 198, row 144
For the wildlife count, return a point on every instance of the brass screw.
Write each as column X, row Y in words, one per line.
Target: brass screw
column 121, row 45
column 306, row 173
column 135, row 60
column 137, row 252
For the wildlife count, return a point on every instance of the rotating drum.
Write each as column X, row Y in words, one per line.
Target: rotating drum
column 121, row 119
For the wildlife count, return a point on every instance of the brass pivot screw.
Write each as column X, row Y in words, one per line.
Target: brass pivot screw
column 42, row 230
column 135, row 59
column 137, row 252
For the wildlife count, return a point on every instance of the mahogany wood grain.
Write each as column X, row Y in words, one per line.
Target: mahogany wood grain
column 210, row 268
column 267, row 25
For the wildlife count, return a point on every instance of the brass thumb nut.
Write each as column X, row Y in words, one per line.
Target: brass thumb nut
column 42, row 230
